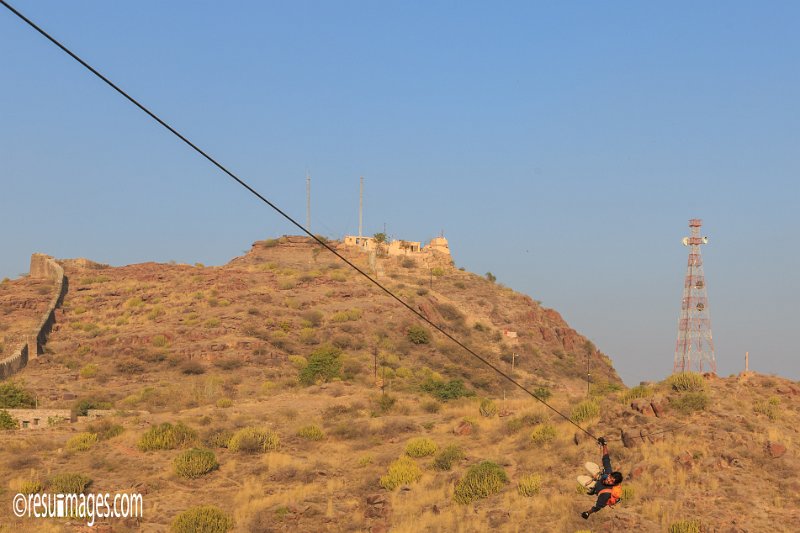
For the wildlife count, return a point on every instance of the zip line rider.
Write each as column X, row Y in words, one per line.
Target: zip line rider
column 607, row 486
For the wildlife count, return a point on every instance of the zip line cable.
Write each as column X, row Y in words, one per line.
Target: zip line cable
column 284, row 214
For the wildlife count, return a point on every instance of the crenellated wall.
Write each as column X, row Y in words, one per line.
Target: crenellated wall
column 42, row 267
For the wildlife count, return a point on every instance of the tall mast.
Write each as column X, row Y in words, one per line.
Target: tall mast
column 361, row 208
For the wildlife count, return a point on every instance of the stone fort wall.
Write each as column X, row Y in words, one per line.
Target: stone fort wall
column 42, row 267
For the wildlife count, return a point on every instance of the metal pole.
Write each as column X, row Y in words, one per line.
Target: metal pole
column 308, row 202
column 360, row 208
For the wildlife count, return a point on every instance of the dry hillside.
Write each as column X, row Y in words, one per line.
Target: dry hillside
column 328, row 408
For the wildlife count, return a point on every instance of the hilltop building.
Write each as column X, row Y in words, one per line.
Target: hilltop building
column 398, row 247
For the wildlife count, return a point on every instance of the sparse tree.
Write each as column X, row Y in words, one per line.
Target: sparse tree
column 491, row 277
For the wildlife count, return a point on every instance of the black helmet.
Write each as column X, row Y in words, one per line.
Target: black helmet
column 617, row 477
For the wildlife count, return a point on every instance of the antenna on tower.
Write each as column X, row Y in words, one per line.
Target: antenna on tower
column 360, row 208
column 308, row 201
column 695, row 345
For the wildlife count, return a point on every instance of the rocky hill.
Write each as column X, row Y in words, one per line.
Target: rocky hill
column 329, row 407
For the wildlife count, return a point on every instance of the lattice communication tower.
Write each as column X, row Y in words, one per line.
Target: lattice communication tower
column 694, row 349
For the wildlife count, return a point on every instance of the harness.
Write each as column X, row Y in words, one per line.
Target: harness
column 616, row 494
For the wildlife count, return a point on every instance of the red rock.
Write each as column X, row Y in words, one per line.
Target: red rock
column 775, row 449
column 631, row 438
column 685, row 459
column 464, row 428
column 637, row 471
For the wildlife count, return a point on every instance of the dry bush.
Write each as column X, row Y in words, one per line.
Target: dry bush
column 693, row 525
column 254, row 440
column 529, row 485
column 68, row 483
column 82, row 442
column 205, row 519
column 192, row 368
column 167, row 437
column 686, row 381
column 448, row 456
column 421, row 447
column 690, row 402
column 480, row 481
column 311, row 432
column 403, row 471
column 194, row 463
column 543, row 433
column 586, row 410
column 488, row 408
column 105, row 429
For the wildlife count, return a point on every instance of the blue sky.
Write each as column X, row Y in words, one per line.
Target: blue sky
column 561, row 146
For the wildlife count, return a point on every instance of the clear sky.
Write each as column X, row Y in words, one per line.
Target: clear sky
column 563, row 146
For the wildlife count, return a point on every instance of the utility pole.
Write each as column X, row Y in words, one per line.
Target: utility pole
column 308, row 201
column 360, row 209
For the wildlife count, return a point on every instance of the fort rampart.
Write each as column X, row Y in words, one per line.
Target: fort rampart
column 42, row 267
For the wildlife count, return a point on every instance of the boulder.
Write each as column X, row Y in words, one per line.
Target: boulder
column 775, row 449
column 658, row 404
column 631, row 438
column 642, row 405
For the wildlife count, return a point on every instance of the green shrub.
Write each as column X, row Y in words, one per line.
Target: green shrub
column 167, row 437
column 628, row 493
column 437, row 271
column 543, row 393
column 68, row 484
column 313, row 317
column 105, row 429
column 7, row 421
column 254, row 440
column 30, row 487
column 81, row 407
column 448, row 456
column 82, row 442
column 640, row 391
column 401, row 472
column 308, row 336
column 324, row 364
column 14, row 396
column 690, row 402
column 159, row 341
column 88, row 371
column 480, row 481
column 311, row 432
column 686, row 381
column 192, row 368
column 218, row 438
column 686, row 526
column 202, row 519
column 346, row 316
column 386, row 402
column 585, row 410
column 488, row 408
column 450, row 390
column 770, row 408
column 418, row 334
column 195, row 463
column 224, row 403
column 529, row 485
column 420, row 447
column 543, row 433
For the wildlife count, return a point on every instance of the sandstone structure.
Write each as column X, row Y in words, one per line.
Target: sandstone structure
column 42, row 267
